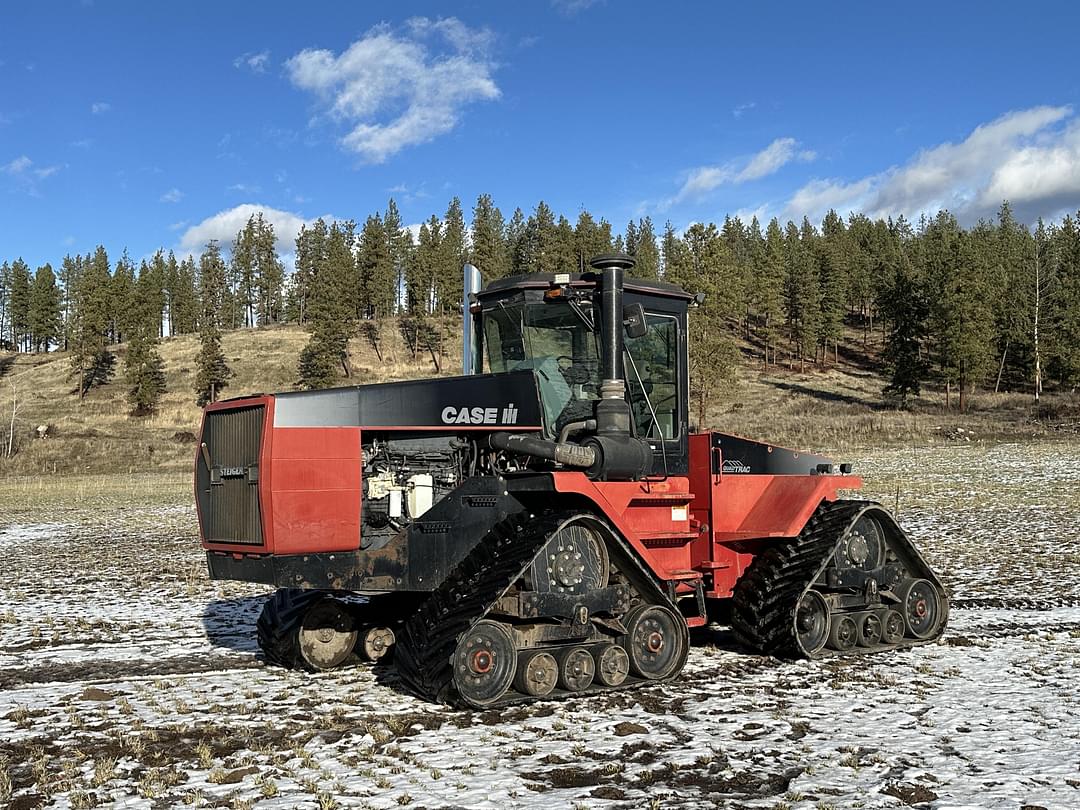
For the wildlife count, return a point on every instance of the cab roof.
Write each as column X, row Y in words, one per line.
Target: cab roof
column 546, row 280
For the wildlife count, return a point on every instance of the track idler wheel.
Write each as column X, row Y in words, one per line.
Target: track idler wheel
column 656, row 642
column 843, row 634
column 920, row 607
column 612, row 665
column 812, row 622
column 485, row 661
column 576, row 669
column 327, row 635
column 537, row 674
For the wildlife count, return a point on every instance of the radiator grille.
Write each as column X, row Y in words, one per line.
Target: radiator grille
column 228, row 489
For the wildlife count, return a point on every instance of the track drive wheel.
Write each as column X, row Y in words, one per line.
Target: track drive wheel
column 869, row 627
column 656, row 641
column 485, row 661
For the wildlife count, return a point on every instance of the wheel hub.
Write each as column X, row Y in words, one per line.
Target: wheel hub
column 655, row 642
column 568, row 568
column 482, row 661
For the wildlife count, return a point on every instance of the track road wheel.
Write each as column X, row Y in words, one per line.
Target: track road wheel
column 537, row 674
column 843, row 634
column 576, row 669
column 656, row 642
column 612, row 665
column 920, row 606
column 484, row 663
column 812, row 622
column 892, row 627
column 376, row 642
column 278, row 627
column 869, row 626
column 327, row 635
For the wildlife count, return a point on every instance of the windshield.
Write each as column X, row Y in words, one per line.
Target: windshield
column 553, row 340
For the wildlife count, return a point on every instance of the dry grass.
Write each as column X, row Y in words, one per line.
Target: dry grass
column 838, row 409
column 98, row 435
column 842, row 410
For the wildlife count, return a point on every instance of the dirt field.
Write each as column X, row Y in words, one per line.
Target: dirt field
column 128, row 679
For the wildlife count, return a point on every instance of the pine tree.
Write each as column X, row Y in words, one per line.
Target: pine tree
column 770, row 286
column 5, row 306
column 517, row 242
column 121, row 299
column 490, row 252
column 20, row 306
column 213, row 372
column 399, row 241
column 676, row 260
column 378, row 276
column 91, row 323
column 425, row 268
column 455, row 254
column 539, row 252
column 590, row 239
column 332, row 310
column 646, row 255
column 310, row 255
column 143, row 366
column 834, row 262
column 184, row 306
column 905, row 307
column 46, row 326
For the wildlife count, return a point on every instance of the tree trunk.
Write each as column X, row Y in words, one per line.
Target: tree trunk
column 1001, row 368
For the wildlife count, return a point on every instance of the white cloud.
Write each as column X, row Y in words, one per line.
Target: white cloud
column 173, row 195
column 18, row 165
column 739, row 110
column 100, row 107
column 224, row 225
column 255, row 62
column 769, row 160
column 1030, row 157
column 244, row 188
column 572, row 7
column 393, row 89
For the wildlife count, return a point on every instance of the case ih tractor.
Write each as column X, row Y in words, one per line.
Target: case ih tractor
column 552, row 526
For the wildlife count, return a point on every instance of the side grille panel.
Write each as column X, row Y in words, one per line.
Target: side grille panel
column 229, row 490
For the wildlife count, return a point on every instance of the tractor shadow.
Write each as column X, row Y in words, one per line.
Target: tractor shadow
column 230, row 623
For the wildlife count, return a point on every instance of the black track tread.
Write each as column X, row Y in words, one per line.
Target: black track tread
column 278, row 626
column 424, row 652
column 764, row 599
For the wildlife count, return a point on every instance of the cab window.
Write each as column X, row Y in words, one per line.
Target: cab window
column 655, row 358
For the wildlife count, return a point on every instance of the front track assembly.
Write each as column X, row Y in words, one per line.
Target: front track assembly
column 547, row 606
column 851, row 582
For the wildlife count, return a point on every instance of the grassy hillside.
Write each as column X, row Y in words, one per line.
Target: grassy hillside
column 834, row 409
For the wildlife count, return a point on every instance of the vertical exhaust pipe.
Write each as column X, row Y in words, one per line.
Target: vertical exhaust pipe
column 471, row 283
column 612, row 411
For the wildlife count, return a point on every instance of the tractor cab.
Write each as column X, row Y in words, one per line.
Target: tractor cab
column 554, row 325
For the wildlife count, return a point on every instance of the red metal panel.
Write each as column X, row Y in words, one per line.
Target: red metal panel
column 315, row 490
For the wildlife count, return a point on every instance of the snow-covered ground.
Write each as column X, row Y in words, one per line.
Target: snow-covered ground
column 128, row 679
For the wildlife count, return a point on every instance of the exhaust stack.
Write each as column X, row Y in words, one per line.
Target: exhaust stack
column 612, row 412
column 471, row 283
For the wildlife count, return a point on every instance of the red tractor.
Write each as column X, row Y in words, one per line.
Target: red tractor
column 552, row 526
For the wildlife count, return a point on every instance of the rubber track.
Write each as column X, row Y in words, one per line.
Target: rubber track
column 764, row 600
column 424, row 652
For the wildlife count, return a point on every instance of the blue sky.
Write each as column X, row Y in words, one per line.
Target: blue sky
column 139, row 125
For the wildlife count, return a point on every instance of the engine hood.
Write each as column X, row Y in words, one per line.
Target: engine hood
column 479, row 401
